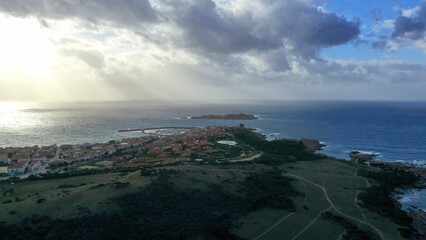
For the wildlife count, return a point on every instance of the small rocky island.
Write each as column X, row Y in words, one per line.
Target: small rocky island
column 240, row 116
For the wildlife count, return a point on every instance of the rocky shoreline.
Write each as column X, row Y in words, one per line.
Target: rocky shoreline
column 418, row 215
column 312, row 145
column 419, row 220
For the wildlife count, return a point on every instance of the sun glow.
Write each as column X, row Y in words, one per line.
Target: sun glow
column 25, row 49
column 11, row 115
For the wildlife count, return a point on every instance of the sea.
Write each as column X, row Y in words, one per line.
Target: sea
column 395, row 131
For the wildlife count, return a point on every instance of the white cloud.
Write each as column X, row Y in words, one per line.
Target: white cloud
column 199, row 49
column 384, row 24
column 411, row 11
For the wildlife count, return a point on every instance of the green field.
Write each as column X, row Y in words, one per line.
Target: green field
column 322, row 185
column 65, row 198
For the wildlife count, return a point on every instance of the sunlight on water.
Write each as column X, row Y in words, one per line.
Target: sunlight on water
column 12, row 116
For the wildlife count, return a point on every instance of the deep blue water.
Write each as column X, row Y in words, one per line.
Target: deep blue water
column 395, row 130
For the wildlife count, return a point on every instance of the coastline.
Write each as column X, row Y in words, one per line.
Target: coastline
column 404, row 195
column 417, row 211
column 311, row 145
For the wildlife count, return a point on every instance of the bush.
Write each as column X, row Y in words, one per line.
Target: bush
column 269, row 190
column 378, row 198
column 71, row 185
column 286, row 149
column 352, row 230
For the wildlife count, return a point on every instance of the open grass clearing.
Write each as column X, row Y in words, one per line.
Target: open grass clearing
column 81, row 195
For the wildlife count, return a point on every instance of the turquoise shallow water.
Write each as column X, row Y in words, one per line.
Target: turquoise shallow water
column 394, row 130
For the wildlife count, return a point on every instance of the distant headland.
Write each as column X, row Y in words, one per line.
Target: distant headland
column 239, row 116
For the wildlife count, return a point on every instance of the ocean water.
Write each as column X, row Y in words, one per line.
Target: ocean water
column 394, row 130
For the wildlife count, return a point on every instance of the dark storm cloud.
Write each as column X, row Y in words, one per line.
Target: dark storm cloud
column 414, row 27
column 304, row 27
column 207, row 27
column 227, row 40
column 130, row 12
column 208, row 30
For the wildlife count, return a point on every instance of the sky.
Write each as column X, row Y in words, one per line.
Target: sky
column 212, row 50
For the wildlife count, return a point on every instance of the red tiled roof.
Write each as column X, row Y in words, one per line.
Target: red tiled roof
column 17, row 165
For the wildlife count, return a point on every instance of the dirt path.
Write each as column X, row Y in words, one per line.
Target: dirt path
column 273, row 226
column 341, row 235
column 332, row 206
column 379, row 232
column 356, row 175
column 311, row 223
column 247, row 158
column 130, row 175
column 359, row 208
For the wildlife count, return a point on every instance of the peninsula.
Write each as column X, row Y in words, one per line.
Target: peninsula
column 222, row 183
column 240, row 116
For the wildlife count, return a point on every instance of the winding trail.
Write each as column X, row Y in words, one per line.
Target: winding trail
column 131, row 174
column 379, row 232
column 311, row 223
column 273, row 226
column 251, row 158
column 364, row 178
column 305, row 201
column 332, row 206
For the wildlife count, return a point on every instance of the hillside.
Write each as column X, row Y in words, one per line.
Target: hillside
column 286, row 193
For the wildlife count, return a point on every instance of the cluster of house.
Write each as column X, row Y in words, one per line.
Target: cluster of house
column 134, row 152
column 125, row 153
column 26, row 159
column 71, row 154
column 171, row 149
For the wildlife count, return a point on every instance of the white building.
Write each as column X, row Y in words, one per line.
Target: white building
column 34, row 166
column 17, row 168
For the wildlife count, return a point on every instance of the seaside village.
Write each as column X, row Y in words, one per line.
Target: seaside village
column 194, row 145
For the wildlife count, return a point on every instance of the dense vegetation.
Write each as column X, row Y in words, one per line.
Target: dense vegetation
column 269, row 190
column 378, row 198
column 277, row 151
column 352, row 231
column 162, row 211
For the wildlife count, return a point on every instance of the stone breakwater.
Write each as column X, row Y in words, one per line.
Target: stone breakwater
column 240, row 116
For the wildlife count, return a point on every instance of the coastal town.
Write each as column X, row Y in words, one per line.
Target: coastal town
column 195, row 145
column 196, row 148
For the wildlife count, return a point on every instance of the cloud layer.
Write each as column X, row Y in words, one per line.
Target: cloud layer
column 180, row 49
